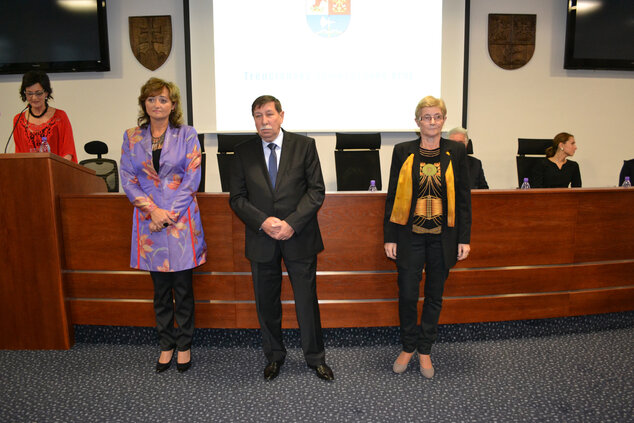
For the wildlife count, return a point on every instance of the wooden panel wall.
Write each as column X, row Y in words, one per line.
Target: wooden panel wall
column 535, row 254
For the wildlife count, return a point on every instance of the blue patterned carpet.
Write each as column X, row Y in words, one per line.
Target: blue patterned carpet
column 577, row 369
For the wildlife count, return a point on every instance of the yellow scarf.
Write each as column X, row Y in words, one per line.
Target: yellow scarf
column 404, row 192
column 403, row 199
column 451, row 196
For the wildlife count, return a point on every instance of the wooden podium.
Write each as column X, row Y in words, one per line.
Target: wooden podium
column 33, row 308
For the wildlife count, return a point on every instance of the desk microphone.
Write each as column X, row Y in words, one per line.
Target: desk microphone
column 14, row 126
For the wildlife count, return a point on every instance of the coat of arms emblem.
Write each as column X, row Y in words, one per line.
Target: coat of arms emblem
column 151, row 39
column 511, row 39
column 328, row 18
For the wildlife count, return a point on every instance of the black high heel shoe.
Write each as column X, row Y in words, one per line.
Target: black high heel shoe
column 183, row 367
column 161, row 367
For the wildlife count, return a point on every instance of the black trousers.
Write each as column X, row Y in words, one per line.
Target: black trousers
column 267, row 284
column 426, row 252
column 174, row 300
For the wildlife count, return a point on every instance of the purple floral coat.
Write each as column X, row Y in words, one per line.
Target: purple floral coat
column 182, row 245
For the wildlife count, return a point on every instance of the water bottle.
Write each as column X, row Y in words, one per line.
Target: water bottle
column 372, row 186
column 525, row 184
column 627, row 183
column 44, row 147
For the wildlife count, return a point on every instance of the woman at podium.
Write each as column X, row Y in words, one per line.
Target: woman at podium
column 555, row 170
column 40, row 121
column 160, row 174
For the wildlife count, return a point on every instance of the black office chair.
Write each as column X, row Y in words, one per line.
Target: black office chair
column 106, row 168
column 226, row 144
column 536, row 148
column 470, row 147
column 357, row 161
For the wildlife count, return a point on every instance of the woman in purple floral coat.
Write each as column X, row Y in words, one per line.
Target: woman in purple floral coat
column 160, row 174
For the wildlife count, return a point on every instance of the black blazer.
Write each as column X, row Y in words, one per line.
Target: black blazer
column 476, row 174
column 627, row 170
column 298, row 195
column 451, row 236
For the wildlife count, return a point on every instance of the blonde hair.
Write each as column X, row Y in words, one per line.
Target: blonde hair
column 430, row 101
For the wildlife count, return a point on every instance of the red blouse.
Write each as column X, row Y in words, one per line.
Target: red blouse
column 57, row 130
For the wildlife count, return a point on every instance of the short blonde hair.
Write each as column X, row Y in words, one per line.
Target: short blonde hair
column 430, row 101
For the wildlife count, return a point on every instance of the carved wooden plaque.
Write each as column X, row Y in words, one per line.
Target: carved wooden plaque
column 511, row 39
column 151, row 39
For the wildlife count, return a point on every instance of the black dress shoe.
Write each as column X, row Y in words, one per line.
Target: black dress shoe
column 183, row 367
column 272, row 370
column 323, row 372
column 161, row 367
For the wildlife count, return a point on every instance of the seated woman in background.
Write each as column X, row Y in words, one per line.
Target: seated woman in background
column 556, row 171
column 41, row 120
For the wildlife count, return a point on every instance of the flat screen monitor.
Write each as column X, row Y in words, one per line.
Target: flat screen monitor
column 53, row 36
column 600, row 35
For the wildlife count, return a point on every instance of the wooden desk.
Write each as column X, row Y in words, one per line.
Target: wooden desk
column 535, row 254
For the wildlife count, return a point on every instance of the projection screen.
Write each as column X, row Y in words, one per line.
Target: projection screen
column 347, row 66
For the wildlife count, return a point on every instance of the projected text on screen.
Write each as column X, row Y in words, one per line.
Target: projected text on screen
column 335, row 65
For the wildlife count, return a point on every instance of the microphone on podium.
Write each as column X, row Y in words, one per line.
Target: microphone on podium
column 14, row 126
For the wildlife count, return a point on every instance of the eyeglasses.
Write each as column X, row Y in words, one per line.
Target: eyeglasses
column 428, row 118
column 37, row 94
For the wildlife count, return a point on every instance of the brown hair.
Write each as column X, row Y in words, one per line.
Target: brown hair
column 34, row 77
column 153, row 87
column 264, row 99
column 561, row 137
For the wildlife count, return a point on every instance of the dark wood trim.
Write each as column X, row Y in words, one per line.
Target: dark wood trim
column 535, row 254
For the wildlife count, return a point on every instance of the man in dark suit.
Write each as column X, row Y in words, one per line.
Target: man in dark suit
column 476, row 173
column 279, row 209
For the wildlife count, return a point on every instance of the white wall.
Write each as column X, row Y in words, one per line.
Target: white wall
column 538, row 100
column 542, row 99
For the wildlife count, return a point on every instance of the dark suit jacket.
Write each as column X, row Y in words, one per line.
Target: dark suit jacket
column 451, row 236
column 298, row 195
column 476, row 174
column 627, row 170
